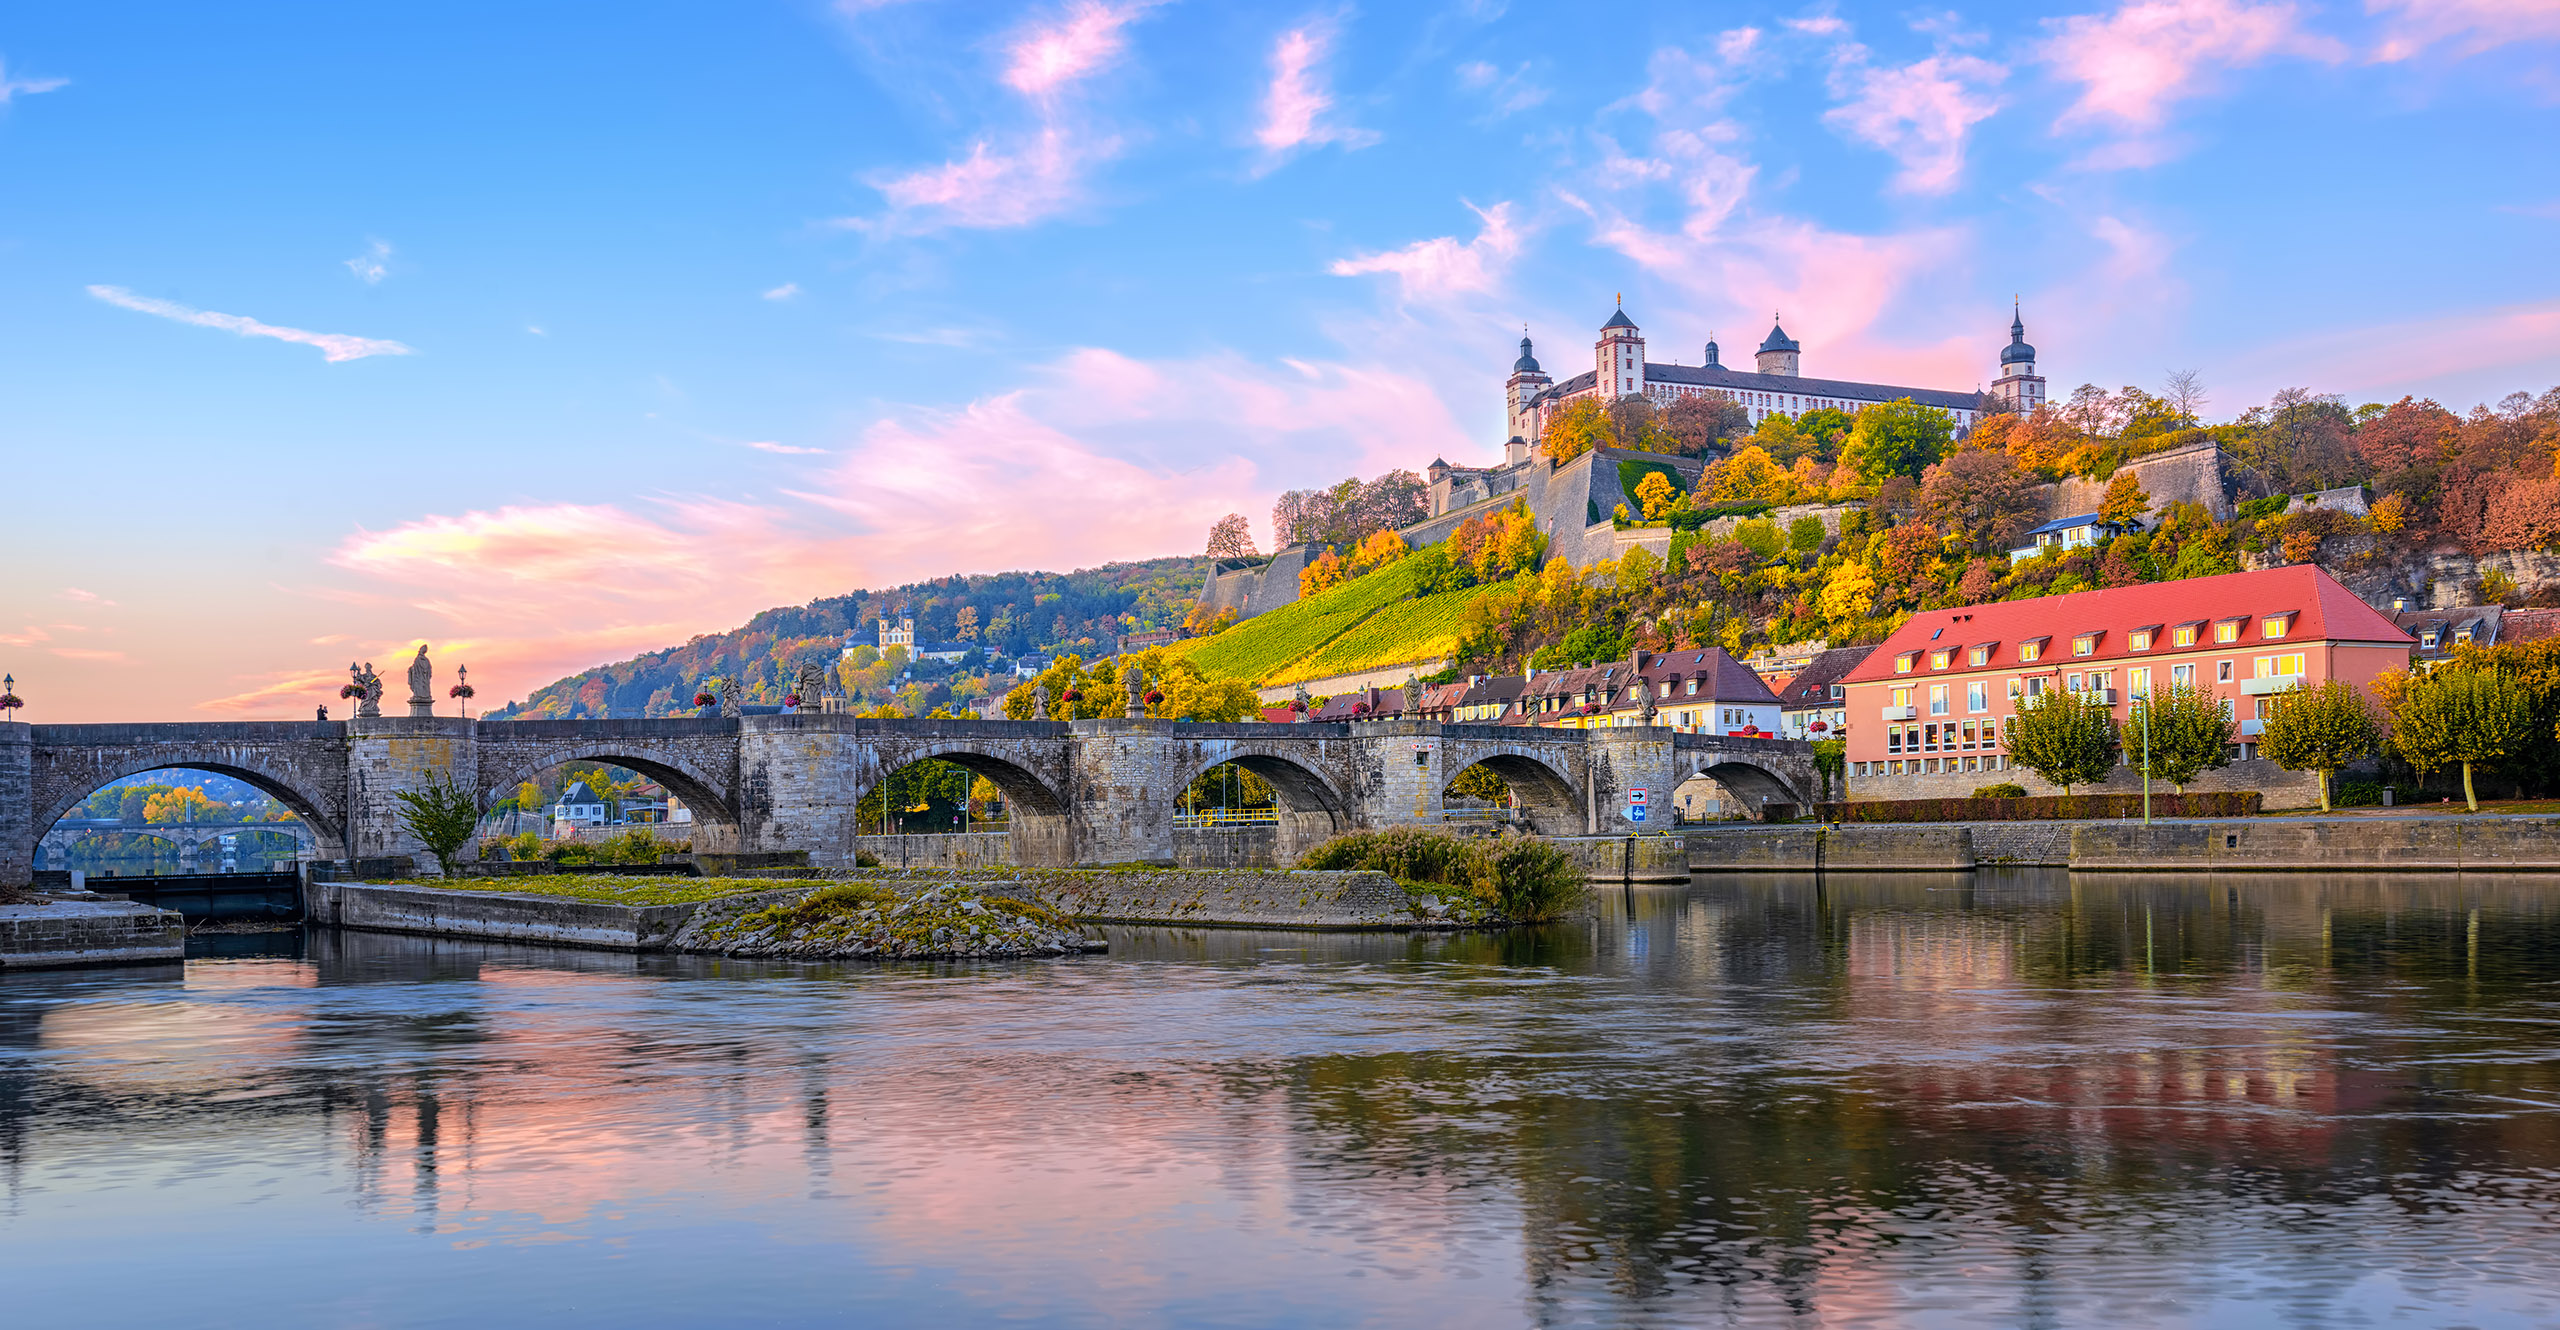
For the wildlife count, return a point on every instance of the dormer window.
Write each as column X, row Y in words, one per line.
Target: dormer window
column 2462, row 635
column 2085, row 644
column 2428, row 639
column 2032, row 650
column 2228, row 630
column 1902, row 664
column 2140, row 639
column 2184, row 635
column 2276, row 625
column 1980, row 654
column 1938, row 660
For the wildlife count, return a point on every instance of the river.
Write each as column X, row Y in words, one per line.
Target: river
column 2012, row 1099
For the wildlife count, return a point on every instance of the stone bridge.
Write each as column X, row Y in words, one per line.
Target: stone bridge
column 1081, row 792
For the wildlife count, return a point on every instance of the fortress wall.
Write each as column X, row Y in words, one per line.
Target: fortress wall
column 2198, row 473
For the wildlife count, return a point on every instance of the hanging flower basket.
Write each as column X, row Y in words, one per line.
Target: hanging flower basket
column 1154, row 698
column 1359, row 708
column 1299, row 705
column 1075, row 695
column 790, row 699
column 1819, row 726
column 462, row 690
column 351, row 690
column 705, row 699
column 10, row 702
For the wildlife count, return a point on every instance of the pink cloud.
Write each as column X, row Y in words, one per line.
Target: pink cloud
column 87, row 597
column 2134, row 64
column 1920, row 113
column 1444, row 265
column 991, row 188
column 1294, row 105
column 2473, row 26
column 86, row 653
column 1052, row 55
column 333, row 347
column 2487, row 351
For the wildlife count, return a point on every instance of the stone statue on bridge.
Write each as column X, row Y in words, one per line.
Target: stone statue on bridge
column 732, row 696
column 422, row 686
column 1135, row 680
column 808, row 685
column 1040, row 702
column 1644, row 700
column 368, row 689
column 1412, row 697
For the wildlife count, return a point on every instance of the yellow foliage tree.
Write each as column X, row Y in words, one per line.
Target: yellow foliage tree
column 1849, row 594
column 2388, row 514
column 1327, row 572
column 183, row 804
column 1656, row 494
column 1581, row 426
column 1749, row 476
column 1379, row 550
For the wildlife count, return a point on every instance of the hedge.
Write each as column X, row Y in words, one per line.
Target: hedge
column 2042, row 808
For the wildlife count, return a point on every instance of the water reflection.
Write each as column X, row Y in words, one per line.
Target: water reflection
column 2007, row 1098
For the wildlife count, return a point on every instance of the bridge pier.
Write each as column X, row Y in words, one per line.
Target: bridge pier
column 18, row 831
column 387, row 755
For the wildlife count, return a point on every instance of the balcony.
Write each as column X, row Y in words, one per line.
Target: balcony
column 2274, row 683
column 2101, row 696
column 2252, row 728
column 1901, row 713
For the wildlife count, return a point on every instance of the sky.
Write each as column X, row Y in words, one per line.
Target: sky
column 551, row 334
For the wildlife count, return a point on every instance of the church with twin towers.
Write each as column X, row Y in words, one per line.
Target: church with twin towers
column 1775, row 385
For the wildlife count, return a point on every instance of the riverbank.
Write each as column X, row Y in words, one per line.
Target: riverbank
column 42, row 933
column 2289, row 844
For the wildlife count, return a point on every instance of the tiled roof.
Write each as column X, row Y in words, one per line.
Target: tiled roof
column 2528, row 625
column 2325, row 610
column 1811, row 685
column 1717, row 376
column 2065, row 523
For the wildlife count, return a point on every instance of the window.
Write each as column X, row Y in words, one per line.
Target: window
column 1838, row 692
column 2035, row 686
column 2276, row 667
column 2276, row 625
column 1937, row 699
column 2428, row 639
column 1893, row 738
column 2140, row 640
column 2138, row 682
column 2184, row 635
column 1938, row 660
column 1902, row 696
column 2085, row 644
column 2014, row 690
column 1979, row 656
column 1968, row 734
column 2462, row 635
column 2226, row 630
column 1902, row 663
column 2227, row 712
column 2074, row 682
column 2222, row 671
column 1693, row 688
column 2182, row 676
column 1977, row 696
column 2031, row 651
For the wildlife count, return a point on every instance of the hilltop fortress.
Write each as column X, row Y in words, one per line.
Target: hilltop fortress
column 1573, row 502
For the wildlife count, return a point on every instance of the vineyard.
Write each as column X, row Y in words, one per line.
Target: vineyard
column 1366, row 623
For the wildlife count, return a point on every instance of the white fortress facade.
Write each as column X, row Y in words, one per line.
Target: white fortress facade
column 1775, row 386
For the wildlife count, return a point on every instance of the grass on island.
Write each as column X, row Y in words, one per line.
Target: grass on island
column 609, row 890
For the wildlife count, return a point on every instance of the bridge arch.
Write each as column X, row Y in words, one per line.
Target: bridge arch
column 1037, row 825
column 715, row 815
column 64, row 780
column 1755, row 786
column 1550, row 801
column 1312, row 810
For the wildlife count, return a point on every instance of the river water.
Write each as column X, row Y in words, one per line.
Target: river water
column 2012, row 1099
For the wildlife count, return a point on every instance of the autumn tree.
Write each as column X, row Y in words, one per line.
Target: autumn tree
column 1346, row 512
column 2065, row 738
column 1748, row 476
column 1897, row 438
column 2320, row 729
column 1656, row 495
column 1578, row 427
column 1479, row 782
column 2458, row 716
column 1703, row 424
column 1231, row 538
column 2125, row 503
column 1636, row 424
column 2184, row 731
column 441, row 815
column 1983, row 498
column 964, row 624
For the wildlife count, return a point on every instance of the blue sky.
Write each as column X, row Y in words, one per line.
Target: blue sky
column 550, row 338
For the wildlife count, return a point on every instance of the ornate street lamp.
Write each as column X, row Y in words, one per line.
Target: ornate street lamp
column 462, row 690
column 9, row 695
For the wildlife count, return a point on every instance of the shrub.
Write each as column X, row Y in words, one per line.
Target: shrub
column 2003, row 790
column 1524, row 879
column 2359, row 794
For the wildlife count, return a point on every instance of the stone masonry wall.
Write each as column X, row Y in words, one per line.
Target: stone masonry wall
column 2283, row 789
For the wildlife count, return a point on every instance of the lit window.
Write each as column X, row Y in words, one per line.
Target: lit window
column 1977, row 696
column 2226, row 630
column 2085, row 644
column 1938, row 660
column 1979, row 656
column 2184, row 635
column 2138, row 682
column 2428, row 640
column 2031, row 651
column 1902, row 663
column 2277, row 624
column 1902, row 697
column 2141, row 640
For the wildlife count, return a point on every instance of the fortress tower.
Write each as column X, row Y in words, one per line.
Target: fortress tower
column 1618, row 357
column 1527, row 381
column 2019, row 386
column 1778, row 353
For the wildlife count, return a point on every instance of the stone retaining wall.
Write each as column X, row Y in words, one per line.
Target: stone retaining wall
column 1629, row 858
column 2389, row 844
column 1272, row 899
column 1853, row 848
column 958, row 849
column 59, row 933
column 437, row 912
column 2023, row 842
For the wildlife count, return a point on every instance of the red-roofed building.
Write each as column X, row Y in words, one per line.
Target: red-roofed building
column 1926, row 710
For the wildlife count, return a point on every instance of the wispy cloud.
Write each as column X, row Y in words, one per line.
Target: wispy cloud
column 85, row 597
column 2139, row 61
column 373, row 264
column 1921, row 112
column 1444, row 265
column 2472, row 26
column 1085, row 40
column 786, row 449
column 333, row 346
column 296, row 688
column 1505, row 94
column 991, row 188
column 87, row 653
column 1295, row 103
column 786, row 291
column 13, row 88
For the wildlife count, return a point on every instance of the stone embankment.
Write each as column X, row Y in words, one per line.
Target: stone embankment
column 1263, row 898
column 863, row 921
column 50, row 932
column 2366, row 844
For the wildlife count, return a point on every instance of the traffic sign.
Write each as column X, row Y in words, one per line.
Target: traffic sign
column 1635, row 797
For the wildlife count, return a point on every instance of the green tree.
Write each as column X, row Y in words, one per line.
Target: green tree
column 2065, row 738
column 1897, row 438
column 2320, row 729
column 442, row 815
column 1479, row 782
column 2463, row 716
column 2188, row 733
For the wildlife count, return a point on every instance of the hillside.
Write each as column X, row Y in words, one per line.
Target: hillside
column 1367, row 623
column 1007, row 614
